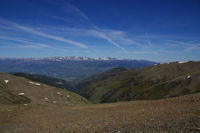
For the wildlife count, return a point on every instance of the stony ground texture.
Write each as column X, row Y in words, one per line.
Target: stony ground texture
column 180, row 114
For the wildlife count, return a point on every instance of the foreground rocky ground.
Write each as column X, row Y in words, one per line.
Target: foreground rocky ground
column 180, row 114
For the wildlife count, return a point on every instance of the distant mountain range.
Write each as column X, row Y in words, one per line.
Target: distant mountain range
column 72, row 58
column 72, row 69
column 152, row 82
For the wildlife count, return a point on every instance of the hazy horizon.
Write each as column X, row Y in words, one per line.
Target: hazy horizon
column 162, row 31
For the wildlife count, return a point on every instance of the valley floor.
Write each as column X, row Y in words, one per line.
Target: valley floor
column 180, row 114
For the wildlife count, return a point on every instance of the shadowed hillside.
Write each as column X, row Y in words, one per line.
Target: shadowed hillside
column 153, row 82
column 60, row 83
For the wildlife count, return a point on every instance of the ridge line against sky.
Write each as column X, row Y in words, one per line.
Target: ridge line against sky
column 91, row 27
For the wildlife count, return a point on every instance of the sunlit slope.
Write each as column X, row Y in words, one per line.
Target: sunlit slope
column 154, row 82
column 16, row 90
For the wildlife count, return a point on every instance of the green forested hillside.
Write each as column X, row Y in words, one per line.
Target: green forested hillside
column 154, row 82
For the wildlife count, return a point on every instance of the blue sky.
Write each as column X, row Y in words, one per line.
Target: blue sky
column 157, row 30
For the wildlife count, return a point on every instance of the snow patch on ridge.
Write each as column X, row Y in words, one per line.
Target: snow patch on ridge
column 34, row 83
column 6, row 81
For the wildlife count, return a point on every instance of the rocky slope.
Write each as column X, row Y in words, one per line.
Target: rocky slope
column 170, row 115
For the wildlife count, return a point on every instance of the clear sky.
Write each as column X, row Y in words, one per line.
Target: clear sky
column 157, row 30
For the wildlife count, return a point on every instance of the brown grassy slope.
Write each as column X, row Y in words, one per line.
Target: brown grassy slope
column 154, row 82
column 169, row 71
column 179, row 114
column 34, row 94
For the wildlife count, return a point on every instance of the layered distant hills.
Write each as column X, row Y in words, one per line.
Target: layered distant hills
column 71, row 69
column 153, row 82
